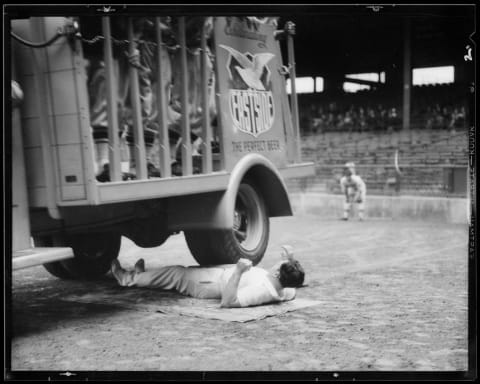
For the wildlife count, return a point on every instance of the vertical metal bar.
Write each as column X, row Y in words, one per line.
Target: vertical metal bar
column 206, row 128
column 288, row 123
column 186, row 141
column 407, row 75
column 139, row 140
column 84, row 124
column 293, row 100
column 163, row 139
column 218, row 133
column 112, row 112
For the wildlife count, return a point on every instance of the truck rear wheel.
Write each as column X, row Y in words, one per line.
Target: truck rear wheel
column 247, row 239
column 55, row 268
column 93, row 254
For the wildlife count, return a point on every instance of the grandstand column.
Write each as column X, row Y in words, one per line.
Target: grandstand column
column 407, row 74
column 333, row 84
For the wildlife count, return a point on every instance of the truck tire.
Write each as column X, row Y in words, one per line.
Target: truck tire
column 247, row 239
column 93, row 254
column 55, row 268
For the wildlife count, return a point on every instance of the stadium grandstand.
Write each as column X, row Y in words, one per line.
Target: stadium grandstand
column 388, row 88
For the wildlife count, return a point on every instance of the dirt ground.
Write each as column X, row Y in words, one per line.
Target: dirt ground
column 393, row 298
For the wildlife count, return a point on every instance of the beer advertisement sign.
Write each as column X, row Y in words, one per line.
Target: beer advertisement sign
column 248, row 63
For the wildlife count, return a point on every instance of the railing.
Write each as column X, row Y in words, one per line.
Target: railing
column 163, row 149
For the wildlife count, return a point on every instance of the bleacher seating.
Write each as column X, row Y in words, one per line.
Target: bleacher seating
column 423, row 157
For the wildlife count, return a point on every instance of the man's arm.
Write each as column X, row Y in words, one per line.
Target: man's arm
column 229, row 296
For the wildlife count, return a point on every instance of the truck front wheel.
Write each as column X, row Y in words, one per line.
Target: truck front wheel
column 247, row 239
column 93, row 254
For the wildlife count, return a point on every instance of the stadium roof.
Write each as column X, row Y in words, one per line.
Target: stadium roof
column 334, row 39
column 353, row 39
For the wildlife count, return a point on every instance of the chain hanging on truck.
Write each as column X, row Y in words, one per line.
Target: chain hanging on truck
column 284, row 70
column 119, row 42
column 70, row 30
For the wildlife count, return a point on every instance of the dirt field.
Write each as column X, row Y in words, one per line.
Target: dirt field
column 394, row 298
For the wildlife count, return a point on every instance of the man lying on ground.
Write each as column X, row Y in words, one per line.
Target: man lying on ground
column 237, row 285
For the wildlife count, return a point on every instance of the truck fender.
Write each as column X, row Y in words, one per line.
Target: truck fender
column 215, row 210
column 267, row 180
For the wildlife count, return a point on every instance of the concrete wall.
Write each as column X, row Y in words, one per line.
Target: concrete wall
column 448, row 210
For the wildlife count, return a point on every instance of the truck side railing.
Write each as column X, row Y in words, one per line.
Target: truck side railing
column 163, row 148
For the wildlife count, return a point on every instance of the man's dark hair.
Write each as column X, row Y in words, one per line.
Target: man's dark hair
column 291, row 274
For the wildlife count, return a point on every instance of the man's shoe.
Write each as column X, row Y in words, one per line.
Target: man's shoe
column 104, row 176
column 176, row 168
column 128, row 176
column 117, row 271
column 344, row 218
column 140, row 266
column 197, row 164
column 153, row 171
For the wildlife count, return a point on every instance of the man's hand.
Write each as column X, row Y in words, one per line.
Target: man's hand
column 244, row 265
column 351, row 198
column 134, row 58
column 289, row 28
column 229, row 295
column 287, row 252
column 134, row 61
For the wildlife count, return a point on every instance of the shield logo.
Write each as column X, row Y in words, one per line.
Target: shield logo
column 251, row 98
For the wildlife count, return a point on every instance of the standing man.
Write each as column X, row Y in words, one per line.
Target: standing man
column 355, row 191
column 238, row 285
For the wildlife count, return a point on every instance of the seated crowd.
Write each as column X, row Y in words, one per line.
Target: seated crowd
column 367, row 111
column 352, row 118
column 440, row 106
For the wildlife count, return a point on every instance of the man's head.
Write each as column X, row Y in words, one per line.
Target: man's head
column 291, row 274
column 349, row 169
column 289, row 271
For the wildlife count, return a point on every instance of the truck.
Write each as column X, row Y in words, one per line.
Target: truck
column 222, row 199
